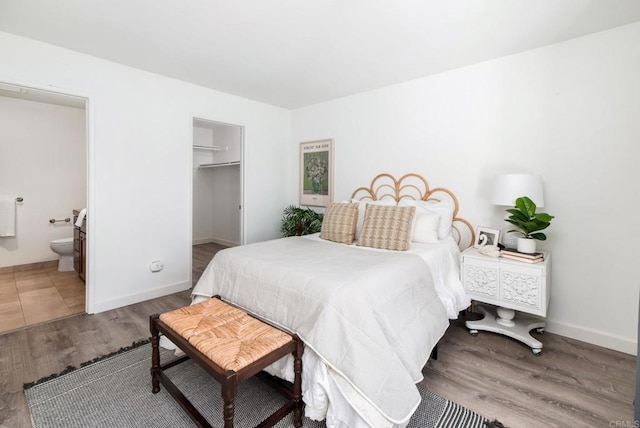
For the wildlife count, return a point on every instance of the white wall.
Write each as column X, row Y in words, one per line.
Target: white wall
column 140, row 169
column 229, row 138
column 203, row 200
column 569, row 112
column 226, row 212
column 43, row 160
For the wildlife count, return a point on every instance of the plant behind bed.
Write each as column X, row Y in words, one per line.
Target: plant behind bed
column 298, row 221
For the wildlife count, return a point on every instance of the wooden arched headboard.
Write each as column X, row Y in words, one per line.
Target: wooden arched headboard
column 414, row 186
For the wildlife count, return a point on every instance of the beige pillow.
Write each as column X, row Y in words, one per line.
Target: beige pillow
column 363, row 208
column 388, row 228
column 339, row 222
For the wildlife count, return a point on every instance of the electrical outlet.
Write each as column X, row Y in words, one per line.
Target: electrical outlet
column 156, row 266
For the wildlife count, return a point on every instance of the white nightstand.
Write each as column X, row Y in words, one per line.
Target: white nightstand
column 511, row 286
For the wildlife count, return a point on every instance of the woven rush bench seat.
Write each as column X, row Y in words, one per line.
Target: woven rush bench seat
column 232, row 346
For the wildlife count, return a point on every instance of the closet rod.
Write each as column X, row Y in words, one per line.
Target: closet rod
column 214, row 148
column 215, row 165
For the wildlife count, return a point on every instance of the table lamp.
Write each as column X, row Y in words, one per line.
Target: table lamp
column 508, row 188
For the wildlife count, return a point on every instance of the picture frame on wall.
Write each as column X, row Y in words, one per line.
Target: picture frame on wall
column 487, row 235
column 316, row 173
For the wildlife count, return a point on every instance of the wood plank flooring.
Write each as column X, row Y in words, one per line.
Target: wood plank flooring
column 202, row 255
column 572, row 384
column 35, row 352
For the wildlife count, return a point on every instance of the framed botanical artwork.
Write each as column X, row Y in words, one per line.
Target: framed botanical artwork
column 316, row 173
column 486, row 237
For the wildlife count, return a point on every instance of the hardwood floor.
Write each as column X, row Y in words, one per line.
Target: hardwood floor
column 35, row 352
column 572, row 384
column 201, row 256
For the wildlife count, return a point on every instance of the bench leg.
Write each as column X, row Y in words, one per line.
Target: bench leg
column 297, row 383
column 155, row 354
column 229, row 390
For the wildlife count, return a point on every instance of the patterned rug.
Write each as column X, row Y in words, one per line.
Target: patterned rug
column 116, row 392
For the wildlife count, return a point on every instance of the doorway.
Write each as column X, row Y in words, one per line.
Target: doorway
column 217, row 189
column 43, row 165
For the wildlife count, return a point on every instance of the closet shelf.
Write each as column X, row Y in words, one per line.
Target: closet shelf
column 212, row 148
column 215, row 165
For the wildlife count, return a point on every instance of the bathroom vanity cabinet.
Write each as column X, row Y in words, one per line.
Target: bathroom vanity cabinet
column 80, row 245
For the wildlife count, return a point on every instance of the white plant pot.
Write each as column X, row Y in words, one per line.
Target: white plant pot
column 527, row 245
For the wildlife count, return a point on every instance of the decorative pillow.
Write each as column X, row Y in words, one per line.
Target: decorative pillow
column 425, row 228
column 388, row 202
column 387, row 227
column 339, row 222
column 444, row 209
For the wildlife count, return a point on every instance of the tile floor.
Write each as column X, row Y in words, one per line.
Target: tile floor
column 38, row 293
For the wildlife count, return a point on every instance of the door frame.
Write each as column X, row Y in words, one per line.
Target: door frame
column 243, row 214
column 89, row 174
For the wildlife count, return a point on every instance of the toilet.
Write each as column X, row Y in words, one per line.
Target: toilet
column 63, row 247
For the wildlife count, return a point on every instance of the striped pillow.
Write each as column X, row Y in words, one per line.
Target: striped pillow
column 387, row 228
column 339, row 222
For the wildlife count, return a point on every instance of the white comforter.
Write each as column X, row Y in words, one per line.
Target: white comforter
column 369, row 319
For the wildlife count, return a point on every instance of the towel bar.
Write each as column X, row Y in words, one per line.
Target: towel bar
column 53, row 220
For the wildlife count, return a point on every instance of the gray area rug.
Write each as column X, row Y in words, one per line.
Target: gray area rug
column 116, row 392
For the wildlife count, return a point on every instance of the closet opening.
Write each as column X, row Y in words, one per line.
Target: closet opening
column 217, row 192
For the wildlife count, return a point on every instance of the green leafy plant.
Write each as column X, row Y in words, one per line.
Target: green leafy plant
column 529, row 223
column 298, row 221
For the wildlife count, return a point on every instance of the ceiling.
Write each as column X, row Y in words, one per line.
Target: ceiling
column 293, row 53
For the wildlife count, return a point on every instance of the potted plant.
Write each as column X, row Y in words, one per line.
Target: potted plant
column 298, row 221
column 528, row 223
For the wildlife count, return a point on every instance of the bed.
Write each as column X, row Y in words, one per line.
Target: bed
column 369, row 316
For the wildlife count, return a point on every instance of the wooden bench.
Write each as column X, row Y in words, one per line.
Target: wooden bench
column 232, row 346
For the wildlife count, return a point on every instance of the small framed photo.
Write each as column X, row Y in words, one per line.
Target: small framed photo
column 486, row 236
column 316, row 173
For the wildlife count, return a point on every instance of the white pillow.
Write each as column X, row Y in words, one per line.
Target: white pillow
column 444, row 209
column 425, row 228
column 388, row 202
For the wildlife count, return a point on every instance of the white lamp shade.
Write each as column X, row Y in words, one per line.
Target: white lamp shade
column 510, row 187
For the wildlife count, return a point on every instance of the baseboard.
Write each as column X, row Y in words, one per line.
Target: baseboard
column 595, row 337
column 130, row 299
column 28, row 266
column 225, row 242
column 218, row 241
column 202, row 241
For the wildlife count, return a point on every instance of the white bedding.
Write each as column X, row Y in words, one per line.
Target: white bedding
column 369, row 318
column 443, row 259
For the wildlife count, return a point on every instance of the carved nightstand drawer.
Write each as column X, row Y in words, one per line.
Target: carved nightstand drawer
column 507, row 283
column 481, row 279
column 521, row 287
